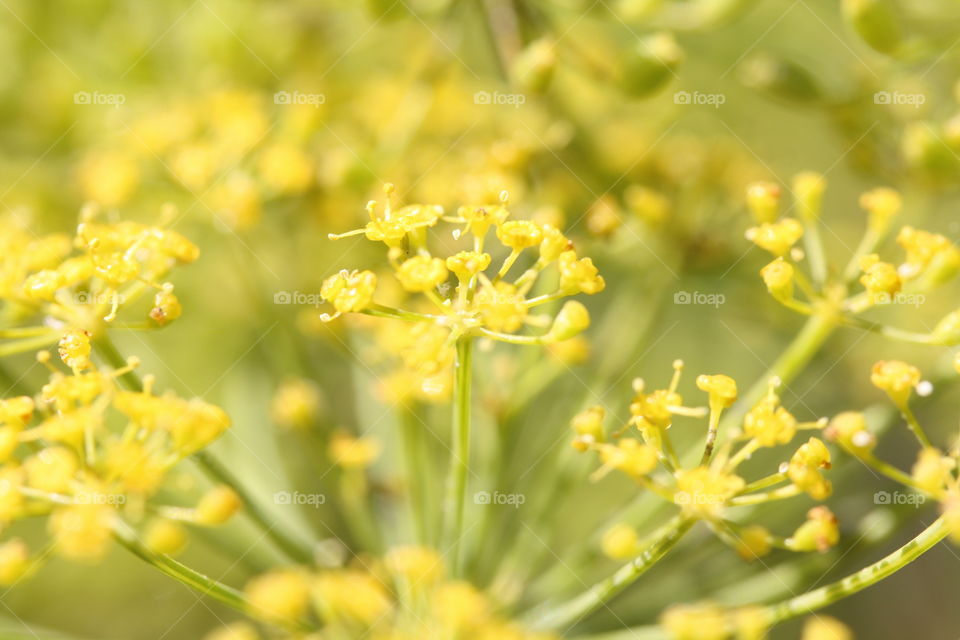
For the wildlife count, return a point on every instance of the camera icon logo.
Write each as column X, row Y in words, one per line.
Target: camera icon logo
column 681, row 97
column 282, row 297
column 282, row 97
column 882, row 497
column 481, row 497
column 682, row 297
column 81, row 97
column 882, row 97
column 282, row 497
column 481, row 97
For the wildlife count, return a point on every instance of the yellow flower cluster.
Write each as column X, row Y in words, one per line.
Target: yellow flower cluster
column 930, row 260
column 405, row 595
column 464, row 294
column 82, row 282
column 88, row 456
column 708, row 490
column 934, row 475
column 225, row 147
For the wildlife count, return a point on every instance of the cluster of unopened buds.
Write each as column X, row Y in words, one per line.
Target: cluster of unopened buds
column 930, row 260
column 707, row 490
column 405, row 595
column 92, row 457
column 484, row 301
column 61, row 283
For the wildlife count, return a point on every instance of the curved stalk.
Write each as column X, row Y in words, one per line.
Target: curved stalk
column 818, row 598
column 572, row 611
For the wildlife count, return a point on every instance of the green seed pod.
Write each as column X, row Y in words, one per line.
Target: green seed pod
column 875, row 22
column 780, row 78
column 533, row 68
column 651, row 64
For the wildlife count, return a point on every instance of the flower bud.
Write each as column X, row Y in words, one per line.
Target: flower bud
column 778, row 277
column 217, row 505
column 818, row 533
column 620, row 542
column 165, row 537
column 947, row 331
column 808, row 187
column 572, row 320
column 763, row 199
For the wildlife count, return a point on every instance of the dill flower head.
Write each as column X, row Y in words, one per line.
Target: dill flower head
column 495, row 291
column 89, row 456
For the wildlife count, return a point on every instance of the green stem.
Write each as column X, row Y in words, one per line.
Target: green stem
column 26, row 344
column 819, row 598
column 416, row 462
column 216, row 471
column 795, row 357
column 460, row 455
column 574, row 610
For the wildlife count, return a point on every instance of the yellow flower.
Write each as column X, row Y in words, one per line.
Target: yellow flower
column 704, row 621
column 776, row 237
column 763, row 199
column 895, row 377
column 296, row 403
column 351, row 595
column 880, row 279
column 279, row 595
column 588, row 425
column 349, row 291
column 519, row 234
column 804, row 469
column 166, row 306
column 419, row 566
column 630, row 456
column 702, row 492
column 14, row 561
column 778, row 277
column 933, row 471
column 572, row 320
column 353, row 453
column 458, row 605
column 466, row 264
column 422, row 273
column 620, row 542
column 818, row 533
column 502, row 307
column 82, row 531
column 579, row 275
column 849, row 429
column 770, row 423
column 821, row 627
column 754, row 542
column 285, row 169
column 165, row 537
column 808, row 187
column 722, row 390
column 882, row 204
column 217, row 505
